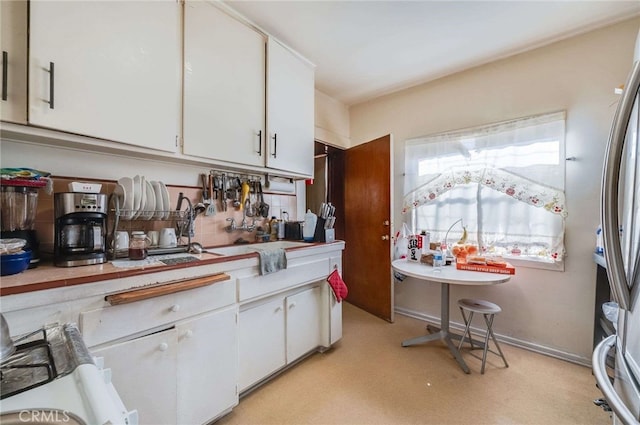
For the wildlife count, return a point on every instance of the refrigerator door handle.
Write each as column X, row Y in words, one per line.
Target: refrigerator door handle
column 609, row 197
column 600, row 372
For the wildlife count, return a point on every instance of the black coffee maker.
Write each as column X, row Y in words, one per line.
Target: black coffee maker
column 80, row 228
column 19, row 203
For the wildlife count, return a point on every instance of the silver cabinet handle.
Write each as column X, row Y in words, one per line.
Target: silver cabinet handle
column 51, row 83
column 259, row 143
column 5, row 73
column 275, row 145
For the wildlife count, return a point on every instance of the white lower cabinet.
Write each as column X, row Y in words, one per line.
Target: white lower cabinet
column 144, row 372
column 277, row 332
column 304, row 312
column 207, row 370
column 184, row 375
column 261, row 341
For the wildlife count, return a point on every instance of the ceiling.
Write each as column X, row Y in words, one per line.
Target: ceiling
column 364, row 49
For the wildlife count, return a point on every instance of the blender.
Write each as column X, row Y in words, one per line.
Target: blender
column 19, row 204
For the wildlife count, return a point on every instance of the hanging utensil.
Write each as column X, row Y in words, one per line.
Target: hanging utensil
column 223, row 195
column 253, row 198
column 250, row 206
column 210, row 206
column 263, row 210
column 244, row 195
column 202, row 206
column 236, row 202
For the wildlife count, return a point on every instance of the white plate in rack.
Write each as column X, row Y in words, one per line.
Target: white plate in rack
column 159, row 208
column 150, row 201
column 165, row 200
column 126, row 183
column 138, row 200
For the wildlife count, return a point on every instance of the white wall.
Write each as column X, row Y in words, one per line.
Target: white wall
column 545, row 310
column 331, row 121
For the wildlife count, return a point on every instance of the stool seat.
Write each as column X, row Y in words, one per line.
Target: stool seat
column 479, row 306
column 488, row 310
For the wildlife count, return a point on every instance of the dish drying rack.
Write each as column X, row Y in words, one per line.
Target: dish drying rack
column 183, row 220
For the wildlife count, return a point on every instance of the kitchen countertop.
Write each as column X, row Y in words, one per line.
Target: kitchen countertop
column 48, row 276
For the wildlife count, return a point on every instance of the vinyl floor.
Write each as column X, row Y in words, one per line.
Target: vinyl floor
column 369, row 378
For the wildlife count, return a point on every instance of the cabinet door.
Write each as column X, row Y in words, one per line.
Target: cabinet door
column 304, row 315
column 224, row 87
column 13, row 15
column 105, row 69
column 207, row 366
column 144, row 374
column 261, row 342
column 290, row 111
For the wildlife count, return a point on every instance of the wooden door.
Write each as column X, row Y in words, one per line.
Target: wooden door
column 368, row 201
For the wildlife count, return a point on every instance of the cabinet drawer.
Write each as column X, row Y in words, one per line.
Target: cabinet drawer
column 255, row 285
column 113, row 322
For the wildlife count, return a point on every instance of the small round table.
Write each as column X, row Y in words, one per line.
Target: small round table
column 446, row 275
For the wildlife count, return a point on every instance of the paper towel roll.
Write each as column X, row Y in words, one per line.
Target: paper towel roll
column 280, row 186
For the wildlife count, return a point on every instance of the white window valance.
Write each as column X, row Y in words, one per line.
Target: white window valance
column 518, row 187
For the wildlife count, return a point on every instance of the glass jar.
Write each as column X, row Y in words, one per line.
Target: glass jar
column 138, row 246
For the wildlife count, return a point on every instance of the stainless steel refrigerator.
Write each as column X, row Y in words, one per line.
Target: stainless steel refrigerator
column 620, row 214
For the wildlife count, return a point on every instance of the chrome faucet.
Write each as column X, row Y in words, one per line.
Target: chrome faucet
column 232, row 226
column 243, row 225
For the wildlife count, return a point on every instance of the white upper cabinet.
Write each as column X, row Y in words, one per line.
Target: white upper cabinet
column 107, row 69
column 13, row 103
column 229, row 109
column 290, row 110
column 224, row 87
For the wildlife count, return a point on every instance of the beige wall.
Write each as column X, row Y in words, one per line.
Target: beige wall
column 332, row 121
column 545, row 310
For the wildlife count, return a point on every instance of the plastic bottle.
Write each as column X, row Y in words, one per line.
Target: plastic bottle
column 309, row 228
column 437, row 260
column 274, row 228
column 280, row 229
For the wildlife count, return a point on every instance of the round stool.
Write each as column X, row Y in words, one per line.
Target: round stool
column 488, row 310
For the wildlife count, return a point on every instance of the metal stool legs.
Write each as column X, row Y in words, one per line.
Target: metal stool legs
column 488, row 310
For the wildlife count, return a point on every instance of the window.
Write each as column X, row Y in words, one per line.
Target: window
column 505, row 181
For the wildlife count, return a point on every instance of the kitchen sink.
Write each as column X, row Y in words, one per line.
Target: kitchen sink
column 250, row 248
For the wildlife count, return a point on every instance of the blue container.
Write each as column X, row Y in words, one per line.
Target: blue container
column 14, row 263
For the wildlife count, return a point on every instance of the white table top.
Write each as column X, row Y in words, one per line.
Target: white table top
column 447, row 274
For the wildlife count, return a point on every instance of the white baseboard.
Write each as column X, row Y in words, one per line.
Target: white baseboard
column 527, row 345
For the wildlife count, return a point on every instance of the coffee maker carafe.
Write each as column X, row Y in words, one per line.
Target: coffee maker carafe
column 80, row 228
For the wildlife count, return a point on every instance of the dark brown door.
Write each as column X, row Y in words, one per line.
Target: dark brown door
column 367, row 199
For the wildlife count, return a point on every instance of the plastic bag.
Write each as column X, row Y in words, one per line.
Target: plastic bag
column 401, row 243
column 401, row 248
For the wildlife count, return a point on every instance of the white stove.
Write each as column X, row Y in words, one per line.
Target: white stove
column 52, row 376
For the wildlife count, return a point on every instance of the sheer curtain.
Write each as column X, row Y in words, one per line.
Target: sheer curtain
column 504, row 180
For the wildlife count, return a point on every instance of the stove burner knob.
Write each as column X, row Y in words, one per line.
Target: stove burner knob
column 163, row 346
column 175, row 308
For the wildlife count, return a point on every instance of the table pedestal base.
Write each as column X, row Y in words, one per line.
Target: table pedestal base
column 442, row 334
